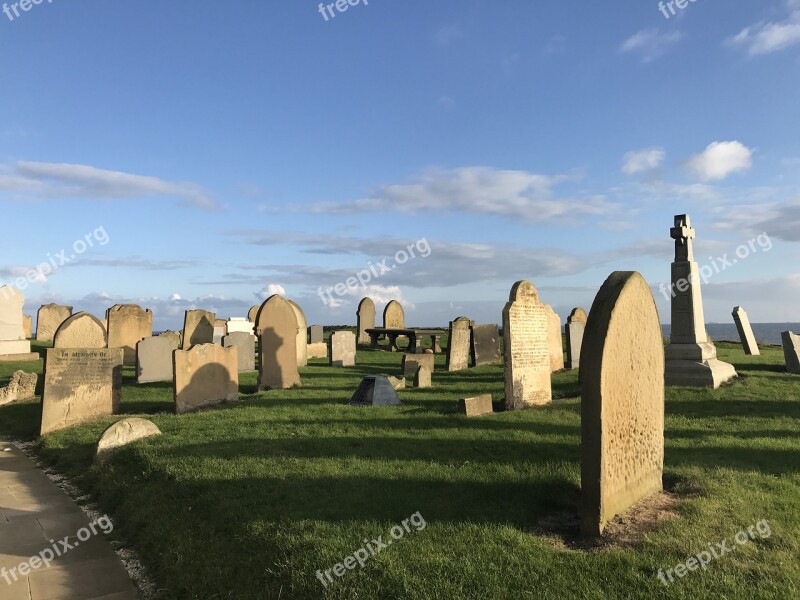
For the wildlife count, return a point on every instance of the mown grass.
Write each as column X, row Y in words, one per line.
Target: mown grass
column 251, row 499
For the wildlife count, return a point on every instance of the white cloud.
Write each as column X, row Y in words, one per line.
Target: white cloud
column 650, row 43
column 642, row 161
column 270, row 290
column 766, row 38
column 719, row 160
column 26, row 180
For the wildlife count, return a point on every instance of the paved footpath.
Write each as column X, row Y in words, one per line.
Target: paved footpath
column 35, row 515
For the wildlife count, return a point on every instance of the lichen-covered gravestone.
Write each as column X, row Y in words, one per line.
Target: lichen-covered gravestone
column 745, row 332
column 366, row 319
column 198, row 328
column 526, row 342
column 21, row 387
column 622, row 403
column 154, row 358
column 122, row 433
column 576, row 324
column 277, row 326
column 342, row 349
column 246, row 345
column 48, row 319
column 128, row 324
column 394, row 317
column 555, row 340
column 791, row 352
column 206, row 374
column 458, row 345
column 81, row 330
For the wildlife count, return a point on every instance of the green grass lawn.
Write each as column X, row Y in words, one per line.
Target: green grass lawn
column 251, row 499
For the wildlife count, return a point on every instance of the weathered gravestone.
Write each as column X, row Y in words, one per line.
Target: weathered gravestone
column 554, row 340
column 476, row 406
column 122, row 433
column 154, row 358
column 246, row 345
column 745, row 332
column 239, row 325
column 397, row 383
column 316, row 333
column 485, row 348
column 302, row 334
column 206, row 374
column 21, row 387
column 220, row 330
column 366, row 319
column 128, row 324
column 791, row 351
column 411, row 362
column 277, row 326
column 422, row 378
column 198, row 328
column 526, row 344
column 80, row 384
column 253, row 313
column 394, row 317
column 48, row 319
column 458, row 345
column 81, row 330
column 342, row 346
column 13, row 343
column 27, row 326
column 576, row 324
column 318, row 350
column 622, row 401
column 691, row 356
column 375, row 390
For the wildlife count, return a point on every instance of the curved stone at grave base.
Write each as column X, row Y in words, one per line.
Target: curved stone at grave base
column 121, row 434
column 81, row 330
column 622, row 401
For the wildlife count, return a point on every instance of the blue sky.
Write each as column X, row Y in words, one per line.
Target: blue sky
column 223, row 152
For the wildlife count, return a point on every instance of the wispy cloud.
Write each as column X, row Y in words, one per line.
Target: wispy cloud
column 650, row 44
column 642, row 161
column 765, row 38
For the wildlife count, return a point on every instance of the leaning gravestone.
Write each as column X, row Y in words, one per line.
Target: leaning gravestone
column 366, row 319
column 154, row 358
column 791, row 351
column 485, row 345
column 412, row 362
column 13, row 343
column 81, row 330
column 48, row 319
column 458, row 345
column 302, row 335
column 375, row 390
column 526, row 344
column 198, row 328
column 394, row 317
column 576, row 324
column 128, row 324
column 622, row 401
column 21, row 387
column 277, row 326
column 246, row 346
column 206, row 374
column 555, row 341
column 317, row 334
column 80, row 384
column 122, row 433
column 476, row 406
column 745, row 332
column 342, row 349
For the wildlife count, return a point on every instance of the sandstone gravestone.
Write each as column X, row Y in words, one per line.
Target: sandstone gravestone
column 476, row 406
column 253, row 313
column 375, row 390
column 422, row 378
column 206, row 374
column 175, row 336
column 458, row 345
column 622, row 401
column 342, row 349
column 198, row 328
column 366, row 319
column 246, row 346
column 555, row 341
column 394, row 317
column 277, row 324
column 791, row 352
column 485, row 345
column 128, row 324
column 411, row 362
column 397, row 383
column 220, row 330
column 122, row 433
column 27, row 326
column 526, row 345
column 691, row 356
column 154, row 358
column 576, row 324
column 745, row 332
column 21, row 387
column 319, row 350
column 48, row 319
column 81, row 330
column 13, row 343
column 80, row 384
column 316, row 334
column 302, row 334
column 239, row 325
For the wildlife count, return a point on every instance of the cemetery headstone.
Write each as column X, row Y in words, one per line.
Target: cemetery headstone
column 253, row 313
column 246, row 345
column 48, row 319
column 220, row 330
column 342, row 349
column 411, row 362
column 154, row 358
column 206, row 374
column 555, row 341
column 13, row 343
column 81, row 330
column 277, row 323
column 422, row 378
column 576, row 324
column 198, row 328
column 366, row 319
column 458, row 346
column 485, row 345
column 239, row 325
column 318, row 350
column 21, row 387
column 745, row 332
column 375, row 390
column 397, row 383
column 27, row 326
column 316, row 334
column 128, row 324
column 175, row 336
column 476, row 406
column 302, row 334
column 121, row 434
column 791, row 351
column 394, row 317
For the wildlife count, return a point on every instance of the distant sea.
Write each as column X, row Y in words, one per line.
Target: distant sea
column 766, row 333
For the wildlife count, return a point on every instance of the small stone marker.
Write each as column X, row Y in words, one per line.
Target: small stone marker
column 122, row 433
column 485, row 345
column 745, row 332
column 319, row 350
column 128, row 324
column 526, row 344
column 80, row 384
column 27, row 326
column 422, row 378
column 316, row 333
column 21, row 387
column 375, row 390
column 49, row 318
column 198, row 328
column 302, row 334
column 458, row 346
column 81, row 330
column 576, row 324
column 791, row 351
column 622, row 403
column 397, row 383
column 366, row 319
column 154, row 358
column 476, row 406
column 342, row 349
column 246, row 346
column 13, row 343
column 220, row 330
column 206, row 374
column 555, row 340
column 394, row 317
column 411, row 362
column 277, row 324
